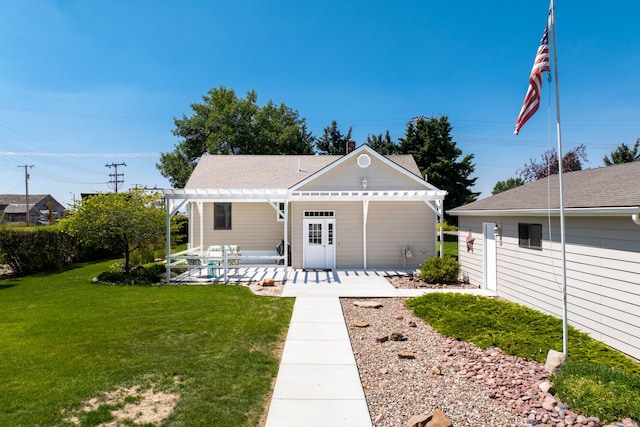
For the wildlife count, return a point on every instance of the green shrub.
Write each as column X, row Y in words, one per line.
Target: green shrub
column 142, row 256
column 439, row 270
column 446, row 227
column 29, row 250
column 607, row 392
column 141, row 275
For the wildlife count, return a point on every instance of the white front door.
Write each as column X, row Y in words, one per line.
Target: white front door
column 489, row 237
column 319, row 248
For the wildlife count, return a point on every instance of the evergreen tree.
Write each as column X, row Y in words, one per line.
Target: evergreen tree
column 507, row 185
column 333, row 141
column 382, row 144
column 430, row 143
column 623, row 154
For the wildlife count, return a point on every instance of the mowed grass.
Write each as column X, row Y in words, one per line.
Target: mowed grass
column 597, row 380
column 64, row 340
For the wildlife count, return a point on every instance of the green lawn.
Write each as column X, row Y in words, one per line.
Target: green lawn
column 64, row 340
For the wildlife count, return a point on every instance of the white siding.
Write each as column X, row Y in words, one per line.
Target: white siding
column 348, row 231
column 254, row 226
column 392, row 226
column 603, row 273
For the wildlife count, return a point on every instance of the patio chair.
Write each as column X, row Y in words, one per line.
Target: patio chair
column 193, row 261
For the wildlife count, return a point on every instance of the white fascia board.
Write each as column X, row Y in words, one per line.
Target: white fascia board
column 221, row 195
column 378, row 195
column 586, row 212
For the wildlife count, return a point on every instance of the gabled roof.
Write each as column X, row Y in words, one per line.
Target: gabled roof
column 11, row 199
column 404, row 164
column 270, row 171
column 604, row 189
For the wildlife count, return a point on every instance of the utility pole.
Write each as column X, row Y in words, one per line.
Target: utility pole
column 115, row 177
column 26, row 183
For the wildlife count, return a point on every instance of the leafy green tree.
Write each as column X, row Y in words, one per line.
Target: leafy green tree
column 623, row 154
column 507, row 185
column 123, row 222
column 548, row 165
column 382, row 144
column 333, row 141
column 226, row 124
column 435, row 152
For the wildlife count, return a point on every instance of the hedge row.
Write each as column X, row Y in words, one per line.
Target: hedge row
column 35, row 249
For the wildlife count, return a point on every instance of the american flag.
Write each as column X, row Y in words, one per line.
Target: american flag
column 532, row 98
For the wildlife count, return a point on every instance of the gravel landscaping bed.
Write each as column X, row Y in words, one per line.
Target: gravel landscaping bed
column 397, row 388
column 408, row 369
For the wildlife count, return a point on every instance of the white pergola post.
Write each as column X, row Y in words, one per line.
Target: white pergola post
column 201, row 241
column 365, row 216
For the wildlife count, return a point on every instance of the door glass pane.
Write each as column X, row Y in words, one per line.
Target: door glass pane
column 315, row 234
column 330, row 233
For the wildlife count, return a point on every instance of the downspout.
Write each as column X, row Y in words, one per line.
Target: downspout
column 636, row 218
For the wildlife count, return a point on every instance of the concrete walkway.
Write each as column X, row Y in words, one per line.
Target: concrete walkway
column 318, row 383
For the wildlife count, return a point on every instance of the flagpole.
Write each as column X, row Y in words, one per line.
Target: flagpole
column 565, row 328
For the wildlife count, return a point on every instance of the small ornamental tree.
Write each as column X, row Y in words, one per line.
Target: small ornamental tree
column 123, row 222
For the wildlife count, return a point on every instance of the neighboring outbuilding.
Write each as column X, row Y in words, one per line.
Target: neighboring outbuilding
column 361, row 210
column 510, row 243
column 13, row 208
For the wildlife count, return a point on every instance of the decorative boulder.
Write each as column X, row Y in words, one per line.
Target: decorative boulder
column 268, row 282
column 437, row 419
column 555, row 359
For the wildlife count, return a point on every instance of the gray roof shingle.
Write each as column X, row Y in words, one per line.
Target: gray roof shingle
column 611, row 186
column 267, row 171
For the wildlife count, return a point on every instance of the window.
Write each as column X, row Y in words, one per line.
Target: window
column 530, row 236
column 311, row 214
column 222, row 216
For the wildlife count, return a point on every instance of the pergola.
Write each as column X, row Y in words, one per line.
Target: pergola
column 177, row 198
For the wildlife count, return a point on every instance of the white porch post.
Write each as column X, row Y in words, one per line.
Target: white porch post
column 200, row 209
column 168, row 239
column 286, row 238
column 439, row 203
column 365, row 215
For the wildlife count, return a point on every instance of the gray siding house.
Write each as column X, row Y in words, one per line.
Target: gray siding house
column 510, row 243
column 360, row 210
column 13, row 208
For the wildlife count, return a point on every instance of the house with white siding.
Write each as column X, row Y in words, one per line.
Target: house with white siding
column 510, row 243
column 361, row 210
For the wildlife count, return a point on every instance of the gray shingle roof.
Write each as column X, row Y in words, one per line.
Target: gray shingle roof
column 10, row 199
column 611, row 186
column 267, row 171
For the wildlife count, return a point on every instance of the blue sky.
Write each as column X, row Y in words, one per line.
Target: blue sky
column 87, row 83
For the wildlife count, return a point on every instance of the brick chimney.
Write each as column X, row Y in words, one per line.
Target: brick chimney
column 350, row 146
